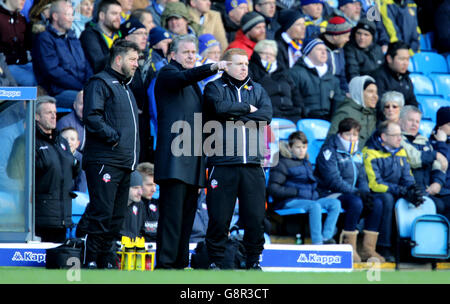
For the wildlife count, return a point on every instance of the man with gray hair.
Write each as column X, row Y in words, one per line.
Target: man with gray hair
column 178, row 98
column 56, row 167
column 428, row 166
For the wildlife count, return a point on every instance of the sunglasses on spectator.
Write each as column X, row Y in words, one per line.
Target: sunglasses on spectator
column 394, row 106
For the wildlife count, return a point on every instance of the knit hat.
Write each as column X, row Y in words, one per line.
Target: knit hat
column 206, row 41
column 344, row 2
column 174, row 9
column 306, row 2
column 158, row 34
column 442, row 116
column 135, row 179
column 309, row 45
column 367, row 25
column 337, row 26
column 232, row 4
column 130, row 26
column 250, row 20
column 288, row 17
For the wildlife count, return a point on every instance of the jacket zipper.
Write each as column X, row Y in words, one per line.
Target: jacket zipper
column 135, row 128
column 244, row 140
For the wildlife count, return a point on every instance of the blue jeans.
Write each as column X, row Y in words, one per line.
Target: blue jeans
column 23, row 74
column 314, row 209
column 384, row 238
column 353, row 206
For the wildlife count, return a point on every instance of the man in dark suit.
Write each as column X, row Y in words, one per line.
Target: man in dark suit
column 179, row 164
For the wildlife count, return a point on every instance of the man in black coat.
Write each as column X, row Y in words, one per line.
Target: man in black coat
column 97, row 38
column 240, row 108
column 111, row 153
column 56, row 168
column 393, row 75
column 179, row 162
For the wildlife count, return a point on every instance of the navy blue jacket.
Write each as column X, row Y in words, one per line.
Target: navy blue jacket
column 444, row 148
column 338, row 171
column 291, row 178
column 59, row 62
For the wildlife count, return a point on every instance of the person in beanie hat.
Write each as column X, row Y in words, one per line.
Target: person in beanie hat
column 351, row 10
column 362, row 53
column 253, row 29
column 317, row 87
column 336, row 35
column 440, row 140
column 134, row 30
column 160, row 40
column 209, row 47
column 315, row 21
column 232, row 15
column 290, row 37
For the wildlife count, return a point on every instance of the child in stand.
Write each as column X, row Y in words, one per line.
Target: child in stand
column 292, row 184
column 71, row 135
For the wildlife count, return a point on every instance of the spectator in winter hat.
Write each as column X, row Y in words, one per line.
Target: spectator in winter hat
column 176, row 19
column 351, row 10
column 315, row 22
column 253, row 29
column 234, row 11
column 336, row 35
column 290, row 37
column 362, row 53
column 209, row 47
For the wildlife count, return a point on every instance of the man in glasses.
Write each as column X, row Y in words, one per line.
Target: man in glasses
column 390, row 178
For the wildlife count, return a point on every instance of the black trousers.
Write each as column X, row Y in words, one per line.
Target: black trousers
column 108, row 192
column 225, row 184
column 177, row 207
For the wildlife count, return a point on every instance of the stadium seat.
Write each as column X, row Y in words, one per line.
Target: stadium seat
column 415, row 225
column 282, row 128
column 422, row 84
column 79, row 205
column 316, row 131
column 426, row 127
column 426, row 42
column 430, row 104
column 441, row 83
column 411, row 68
column 429, row 62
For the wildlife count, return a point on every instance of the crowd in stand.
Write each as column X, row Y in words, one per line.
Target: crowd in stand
column 343, row 61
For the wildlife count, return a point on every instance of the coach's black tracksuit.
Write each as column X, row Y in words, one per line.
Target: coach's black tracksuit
column 237, row 172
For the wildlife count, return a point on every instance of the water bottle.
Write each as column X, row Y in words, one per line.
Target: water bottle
column 140, row 254
column 298, row 239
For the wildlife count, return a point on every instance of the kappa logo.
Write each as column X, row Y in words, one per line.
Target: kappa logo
column 28, row 256
column 106, row 178
column 327, row 154
column 214, row 184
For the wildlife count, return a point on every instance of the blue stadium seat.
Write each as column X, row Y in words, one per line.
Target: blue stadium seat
column 415, row 225
column 426, row 42
column 448, row 61
column 430, row 104
column 429, row 62
column 426, row 127
column 316, row 131
column 63, row 110
column 282, row 128
column 441, row 84
column 422, row 84
column 411, row 68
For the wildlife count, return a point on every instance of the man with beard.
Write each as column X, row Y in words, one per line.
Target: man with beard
column 253, row 29
column 97, row 38
column 110, row 115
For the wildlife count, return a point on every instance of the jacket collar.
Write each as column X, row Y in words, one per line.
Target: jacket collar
column 395, row 75
column 120, row 77
column 232, row 81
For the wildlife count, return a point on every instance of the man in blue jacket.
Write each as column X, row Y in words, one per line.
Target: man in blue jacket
column 59, row 61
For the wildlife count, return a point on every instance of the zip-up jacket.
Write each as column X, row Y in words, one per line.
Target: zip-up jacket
column 291, row 178
column 228, row 101
column 339, row 171
column 56, row 168
column 444, row 148
column 386, row 171
column 110, row 116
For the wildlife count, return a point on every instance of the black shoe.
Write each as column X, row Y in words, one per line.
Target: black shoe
column 254, row 266
column 386, row 253
column 329, row 242
column 214, row 266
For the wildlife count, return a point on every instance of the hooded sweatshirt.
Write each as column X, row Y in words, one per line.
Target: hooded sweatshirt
column 354, row 107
